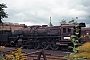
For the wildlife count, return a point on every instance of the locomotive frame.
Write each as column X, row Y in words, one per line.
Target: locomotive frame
column 45, row 37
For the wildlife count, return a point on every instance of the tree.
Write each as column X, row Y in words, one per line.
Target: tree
column 63, row 22
column 50, row 24
column 73, row 21
column 3, row 14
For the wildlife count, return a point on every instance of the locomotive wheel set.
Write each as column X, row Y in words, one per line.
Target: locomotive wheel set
column 54, row 37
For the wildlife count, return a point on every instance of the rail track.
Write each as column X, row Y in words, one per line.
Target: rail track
column 48, row 57
column 35, row 54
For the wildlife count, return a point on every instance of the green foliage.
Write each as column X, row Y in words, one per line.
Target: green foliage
column 1, row 57
column 3, row 14
column 83, row 52
column 50, row 24
column 2, row 48
column 76, row 17
column 16, row 55
column 75, row 41
column 74, row 48
column 73, row 21
column 80, row 52
column 63, row 22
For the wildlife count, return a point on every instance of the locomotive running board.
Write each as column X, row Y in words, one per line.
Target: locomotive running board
column 61, row 44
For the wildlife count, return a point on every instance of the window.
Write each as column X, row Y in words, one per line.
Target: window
column 69, row 30
column 64, row 30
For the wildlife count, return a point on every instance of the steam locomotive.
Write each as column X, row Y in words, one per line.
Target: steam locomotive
column 45, row 37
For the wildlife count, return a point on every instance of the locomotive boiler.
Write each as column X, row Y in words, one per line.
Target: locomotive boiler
column 45, row 37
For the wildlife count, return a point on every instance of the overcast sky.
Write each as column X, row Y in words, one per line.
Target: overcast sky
column 38, row 12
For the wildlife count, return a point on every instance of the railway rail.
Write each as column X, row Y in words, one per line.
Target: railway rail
column 41, row 54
